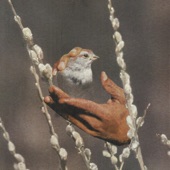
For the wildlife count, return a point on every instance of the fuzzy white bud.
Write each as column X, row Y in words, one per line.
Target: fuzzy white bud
column 119, row 46
column 38, row 51
column 121, row 62
column 76, row 135
column 126, row 152
column 106, row 154
column 131, row 133
column 113, row 149
column 115, row 23
column 45, row 71
column 11, row 146
column 6, row 136
column 114, row 159
column 164, row 139
column 135, row 145
column 125, row 77
column 54, row 141
column 117, row 36
column 19, row 157
column 93, row 166
column 129, row 121
column 87, row 152
column 33, row 57
column 21, row 166
column 69, row 130
column 112, row 10
column 27, row 35
column 127, row 89
column 79, row 142
column 134, row 111
column 63, row 154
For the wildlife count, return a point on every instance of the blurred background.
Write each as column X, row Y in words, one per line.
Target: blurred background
column 60, row 25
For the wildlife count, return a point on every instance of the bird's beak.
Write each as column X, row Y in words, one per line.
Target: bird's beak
column 95, row 57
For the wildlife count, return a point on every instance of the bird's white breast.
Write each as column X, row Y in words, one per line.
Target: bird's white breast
column 78, row 77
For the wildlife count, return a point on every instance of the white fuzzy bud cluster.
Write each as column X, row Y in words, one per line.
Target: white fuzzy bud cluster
column 45, row 71
column 93, row 166
column 134, row 124
column 165, row 141
column 132, row 133
column 54, row 141
column 125, row 154
column 110, row 152
column 76, row 136
column 27, row 35
column 36, row 54
column 20, row 164
column 63, row 154
column 114, row 21
column 84, row 152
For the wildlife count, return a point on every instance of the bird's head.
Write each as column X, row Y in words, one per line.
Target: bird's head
column 83, row 60
column 77, row 58
column 76, row 66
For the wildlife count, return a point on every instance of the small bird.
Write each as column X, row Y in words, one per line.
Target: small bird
column 77, row 77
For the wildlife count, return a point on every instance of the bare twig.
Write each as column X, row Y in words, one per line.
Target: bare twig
column 36, row 55
column 131, row 119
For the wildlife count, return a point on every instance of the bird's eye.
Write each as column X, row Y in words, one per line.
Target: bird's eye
column 86, row 55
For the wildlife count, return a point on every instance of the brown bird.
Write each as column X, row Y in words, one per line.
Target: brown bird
column 76, row 76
